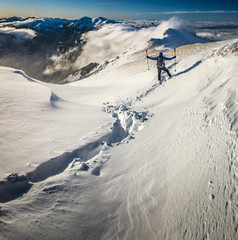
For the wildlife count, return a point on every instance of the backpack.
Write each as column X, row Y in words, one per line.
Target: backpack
column 160, row 62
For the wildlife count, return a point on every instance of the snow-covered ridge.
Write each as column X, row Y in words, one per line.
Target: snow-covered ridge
column 50, row 24
column 176, row 38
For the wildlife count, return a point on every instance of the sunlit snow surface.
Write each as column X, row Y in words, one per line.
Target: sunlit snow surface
column 119, row 156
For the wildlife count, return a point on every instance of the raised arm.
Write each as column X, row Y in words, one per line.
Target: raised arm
column 152, row 58
column 165, row 58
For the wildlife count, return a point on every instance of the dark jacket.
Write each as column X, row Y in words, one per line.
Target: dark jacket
column 160, row 60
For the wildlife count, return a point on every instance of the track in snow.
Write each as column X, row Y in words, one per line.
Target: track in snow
column 127, row 123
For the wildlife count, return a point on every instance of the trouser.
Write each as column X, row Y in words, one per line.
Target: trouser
column 164, row 69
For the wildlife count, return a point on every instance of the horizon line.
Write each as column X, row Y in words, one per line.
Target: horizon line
column 187, row 12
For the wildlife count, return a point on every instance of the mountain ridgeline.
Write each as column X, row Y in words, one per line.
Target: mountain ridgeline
column 35, row 44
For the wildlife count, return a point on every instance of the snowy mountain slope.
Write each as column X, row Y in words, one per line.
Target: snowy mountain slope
column 124, row 157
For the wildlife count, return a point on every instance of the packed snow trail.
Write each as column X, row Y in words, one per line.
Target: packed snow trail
column 127, row 123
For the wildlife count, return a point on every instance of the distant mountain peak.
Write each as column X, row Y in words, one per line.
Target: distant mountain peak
column 173, row 38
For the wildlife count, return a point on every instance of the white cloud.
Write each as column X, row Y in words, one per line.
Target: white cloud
column 60, row 62
column 114, row 39
column 21, row 34
column 108, row 42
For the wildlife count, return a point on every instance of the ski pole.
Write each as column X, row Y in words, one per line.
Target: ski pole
column 175, row 58
column 147, row 60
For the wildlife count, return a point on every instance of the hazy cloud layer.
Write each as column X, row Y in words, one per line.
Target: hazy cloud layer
column 112, row 40
column 20, row 34
column 60, row 62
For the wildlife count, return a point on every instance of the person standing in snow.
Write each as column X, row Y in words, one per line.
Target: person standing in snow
column 161, row 64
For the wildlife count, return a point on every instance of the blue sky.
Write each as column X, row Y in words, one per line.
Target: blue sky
column 123, row 9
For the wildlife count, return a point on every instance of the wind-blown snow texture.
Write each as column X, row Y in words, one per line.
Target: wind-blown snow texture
column 119, row 156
